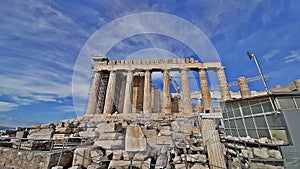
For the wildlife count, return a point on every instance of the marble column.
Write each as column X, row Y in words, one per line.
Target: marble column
column 92, row 104
column 110, row 94
column 166, row 107
column 223, row 84
column 244, row 88
column 147, row 92
column 205, row 92
column 122, row 94
column 128, row 93
column 186, row 95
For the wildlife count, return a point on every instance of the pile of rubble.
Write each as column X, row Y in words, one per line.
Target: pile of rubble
column 248, row 152
column 118, row 143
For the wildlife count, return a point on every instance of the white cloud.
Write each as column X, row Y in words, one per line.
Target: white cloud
column 7, row 106
column 294, row 56
column 271, row 54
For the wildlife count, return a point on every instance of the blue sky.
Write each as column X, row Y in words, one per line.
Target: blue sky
column 41, row 40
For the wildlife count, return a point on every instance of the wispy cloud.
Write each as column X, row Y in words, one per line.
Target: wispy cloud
column 271, row 54
column 7, row 106
column 294, row 56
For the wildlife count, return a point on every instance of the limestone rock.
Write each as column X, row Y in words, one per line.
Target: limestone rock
column 161, row 161
column 105, row 127
column 110, row 144
column 96, row 156
column 275, row 154
column 196, row 158
column 164, row 140
column 96, row 166
column 135, row 139
column 44, row 133
column 199, row 166
column 262, row 152
column 82, row 157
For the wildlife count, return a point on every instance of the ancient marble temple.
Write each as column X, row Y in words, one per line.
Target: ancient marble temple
column 124, row 86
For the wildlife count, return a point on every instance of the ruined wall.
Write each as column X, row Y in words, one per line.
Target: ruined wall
column 138, row 94
column 20, row 159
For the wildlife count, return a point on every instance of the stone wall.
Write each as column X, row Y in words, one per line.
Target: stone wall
column 20, row 159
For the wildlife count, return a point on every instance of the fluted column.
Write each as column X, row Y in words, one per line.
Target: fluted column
column 122, row 94
column 147, row 92
column 244, row 88
column 186, row 95
column 166, row 107
column 110, row 94
column 223, row 84
column 128, row 93
column 94, row 90
column 206, row 97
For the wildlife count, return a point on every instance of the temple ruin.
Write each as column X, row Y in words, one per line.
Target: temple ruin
column 124, row 86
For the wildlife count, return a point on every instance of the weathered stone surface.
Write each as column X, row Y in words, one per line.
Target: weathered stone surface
column 96, row 156
column 247, row 153
column 82, row 156
column 75, row 167
column 57, row 136
column 275, row 154
column 149, row 133
column 110, row 144
column 164, row 140
column 140, row 157
column 109, row 136
column 96, row 166
column 105, row 127
column 88, row 134
column 262, row 152
column 45, row 133
column 199, row 166
column 57, row 167
column 180, row 166
column 135, row 139
column 161, row 161
column 264, row 166
column 120, row 164
column 117, row 155
column 63, row 130
column 196, row 158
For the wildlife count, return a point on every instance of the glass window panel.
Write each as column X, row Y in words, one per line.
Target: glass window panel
column 230, row 114
column 225, row 116
column 249, row 122
column 275, row 120
column 279, row 135
column 297, row 99
column 242, row 132
column 255, row 107
column 232, row 124
column 252, row 133
column 228, row 107
column 239, row 123
column 263, row 133
column 286, row 103
column 260, row 122
column 246, row 111
column 237, row 113
column 244, row 104
column 228, row 132
column 226, row 124
column 235, row 105
column 267, row 106
column 234, row 132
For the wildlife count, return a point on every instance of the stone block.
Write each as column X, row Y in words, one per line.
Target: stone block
column 63, row 130
column 152, row 141
column 161, row 161
column 96, row 166
column 88, row 134
column 167, row 140
column 275, row 154
column 117, row 155
column 261, row 152
column 82, row 156
column 180, row 166
column 21, row 134
column 134, row 139
column 199, row 166
column 75, row 167
column 196, row 158
column 165, row 133
column 105, row 127
column 165, row 128
column 150, row 133
column 57, row 167
column 45, row 133
column 109, row 136
column 110, row 144
column 57, row 136
column 96, row 156
column 140, row 157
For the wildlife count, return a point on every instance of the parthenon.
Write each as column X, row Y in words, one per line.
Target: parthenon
column 124, row 86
